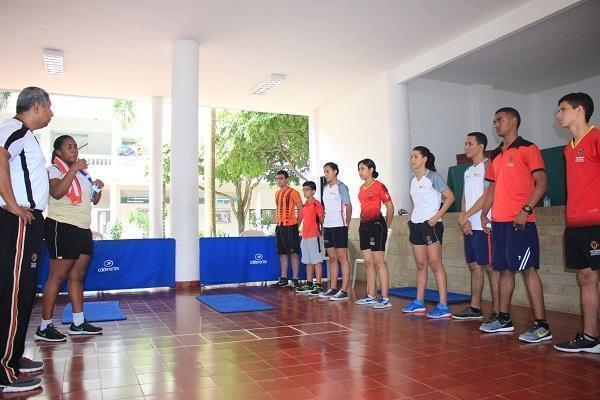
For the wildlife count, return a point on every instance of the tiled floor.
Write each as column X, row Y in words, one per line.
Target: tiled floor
column 174, row 347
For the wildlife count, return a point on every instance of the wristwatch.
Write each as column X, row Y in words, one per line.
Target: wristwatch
column 528, row 209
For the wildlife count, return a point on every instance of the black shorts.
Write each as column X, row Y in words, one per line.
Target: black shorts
column 336, row 237
column 582, row 247
column 421, row 233
column 66, row 241
column 373, row 235
column 288, row 239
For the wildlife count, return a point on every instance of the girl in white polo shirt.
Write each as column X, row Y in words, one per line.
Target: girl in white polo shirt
column 426, row 229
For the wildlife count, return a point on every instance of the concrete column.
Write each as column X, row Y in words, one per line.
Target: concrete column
column 399, row 143
column 184, row 159
column 210, row 226
column 115, row 204
column 156, row 171
column 314, row 156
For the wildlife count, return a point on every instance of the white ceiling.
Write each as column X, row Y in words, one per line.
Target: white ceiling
column 555, row 52
column 122, row 48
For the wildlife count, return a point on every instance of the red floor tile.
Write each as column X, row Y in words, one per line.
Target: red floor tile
column 173, row 348
column 468, row 392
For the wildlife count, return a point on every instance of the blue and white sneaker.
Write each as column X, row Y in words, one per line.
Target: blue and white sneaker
column 367, row 301
column 536, row 334
column 496, row 325
column 415, row 306
column 440, row 311
column 383, row 302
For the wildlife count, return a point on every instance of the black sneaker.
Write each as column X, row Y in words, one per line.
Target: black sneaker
column 579, row 344
column 330, row 292
column 21, row 384
column 339, row 296
column 317, row 290
column 84, row 329
column 50, row 334
column 305, row 289
column 28, row 366
column 282, row 282
column 295, row 284
column 493, row 316
column 468, row 313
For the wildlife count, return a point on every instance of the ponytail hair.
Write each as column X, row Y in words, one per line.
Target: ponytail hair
column 370, row 164
column 334, row 167
column 58, row 142
column 430, row 163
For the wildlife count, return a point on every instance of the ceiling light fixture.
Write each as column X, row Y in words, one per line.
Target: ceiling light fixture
column 53, row 62
column 264, row 86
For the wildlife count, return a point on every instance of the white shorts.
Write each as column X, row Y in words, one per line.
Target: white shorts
column 311, row 250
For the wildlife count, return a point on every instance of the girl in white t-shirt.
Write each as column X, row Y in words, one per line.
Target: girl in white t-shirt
column 426, row 229
column 338, row 212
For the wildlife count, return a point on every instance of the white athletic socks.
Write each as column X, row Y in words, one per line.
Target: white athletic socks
column 45, row 323
column 78, row 318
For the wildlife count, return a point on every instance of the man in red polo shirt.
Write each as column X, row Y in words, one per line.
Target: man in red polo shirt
column 517, row 183
column 582, row 236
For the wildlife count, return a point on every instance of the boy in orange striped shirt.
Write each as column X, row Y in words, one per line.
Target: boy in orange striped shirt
column 288, row 202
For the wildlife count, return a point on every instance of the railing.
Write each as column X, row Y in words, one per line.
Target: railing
column 97, row 160
column 117, row 168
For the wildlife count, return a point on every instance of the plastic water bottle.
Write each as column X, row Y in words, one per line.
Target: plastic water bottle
column 546, row 201
column 95, row 190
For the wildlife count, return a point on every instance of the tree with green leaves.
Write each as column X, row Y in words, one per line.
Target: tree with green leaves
column 141, row 219
column 4, row 96
column 250, row 147
column 124, row 112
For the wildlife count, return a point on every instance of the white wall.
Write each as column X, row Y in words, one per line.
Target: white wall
column 442, row 113
column 440, row 116
column 355, row 127
column 550, row 134
column 520, row 102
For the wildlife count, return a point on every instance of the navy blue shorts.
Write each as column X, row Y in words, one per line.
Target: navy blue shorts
column 478, row 248
column 514, row 249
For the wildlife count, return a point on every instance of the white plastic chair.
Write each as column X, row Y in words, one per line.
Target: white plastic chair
column 362, row 260
column 326, row 258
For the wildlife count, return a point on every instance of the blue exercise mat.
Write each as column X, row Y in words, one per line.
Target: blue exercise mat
column 430, row 295
column 230, row 303
column 96, row 311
